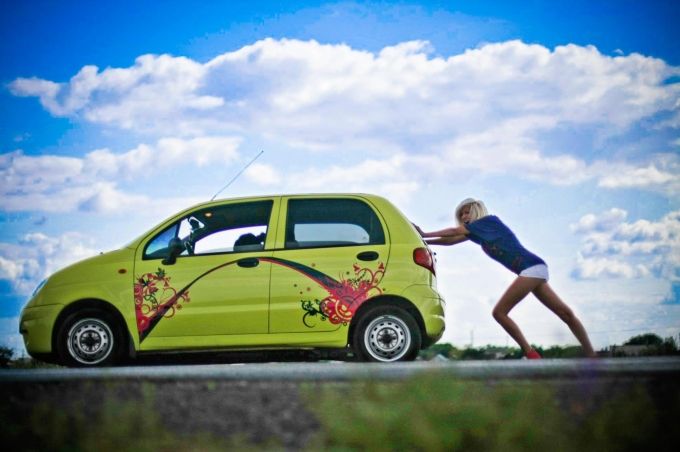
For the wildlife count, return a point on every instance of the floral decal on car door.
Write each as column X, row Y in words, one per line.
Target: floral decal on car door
column 155, row 298
column 344, row 296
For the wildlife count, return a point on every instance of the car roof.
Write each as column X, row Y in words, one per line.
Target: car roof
column 282, row 195
column 219, row 201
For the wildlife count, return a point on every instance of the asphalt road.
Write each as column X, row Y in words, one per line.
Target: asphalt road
column 652, row 367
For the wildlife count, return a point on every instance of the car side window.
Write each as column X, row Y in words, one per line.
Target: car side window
column 158, row 246
column 220, row 229
column 326, row 222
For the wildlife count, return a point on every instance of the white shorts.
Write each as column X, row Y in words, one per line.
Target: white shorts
column 537, row 271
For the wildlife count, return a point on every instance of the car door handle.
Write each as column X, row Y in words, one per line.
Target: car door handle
column 367, row 256
column 248, row 262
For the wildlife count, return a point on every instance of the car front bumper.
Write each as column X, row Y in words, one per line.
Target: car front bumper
column 36, row 327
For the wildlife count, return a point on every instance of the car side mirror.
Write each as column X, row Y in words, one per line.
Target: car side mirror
column 175, row 248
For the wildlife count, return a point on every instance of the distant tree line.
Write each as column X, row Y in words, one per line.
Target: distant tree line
column 6, row 354
column 648, row 345
column 644, row 345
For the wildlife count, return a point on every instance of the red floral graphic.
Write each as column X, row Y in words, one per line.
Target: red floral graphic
column 345, row 296
column 155, row 298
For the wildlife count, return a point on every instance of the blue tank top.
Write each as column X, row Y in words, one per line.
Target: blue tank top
column 501, row 244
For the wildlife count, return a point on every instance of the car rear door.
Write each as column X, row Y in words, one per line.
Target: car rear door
column 330, row 257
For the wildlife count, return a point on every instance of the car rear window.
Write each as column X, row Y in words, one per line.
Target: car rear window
column 313, row 223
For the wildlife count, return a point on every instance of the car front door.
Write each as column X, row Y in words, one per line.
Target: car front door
column 330, row 258
column 213, row 283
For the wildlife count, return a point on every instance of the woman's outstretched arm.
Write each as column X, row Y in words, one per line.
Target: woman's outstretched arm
column 448, row 232
column 446, row 240
column 448, row 236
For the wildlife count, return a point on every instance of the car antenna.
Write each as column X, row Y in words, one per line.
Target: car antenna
column 237, row 175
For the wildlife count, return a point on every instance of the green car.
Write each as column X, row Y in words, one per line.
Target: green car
column 310, row 272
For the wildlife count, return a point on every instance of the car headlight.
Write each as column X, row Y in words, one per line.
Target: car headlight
column 40, row 286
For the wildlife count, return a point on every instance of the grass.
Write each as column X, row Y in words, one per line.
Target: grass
column 114, row 425
column 441, row 414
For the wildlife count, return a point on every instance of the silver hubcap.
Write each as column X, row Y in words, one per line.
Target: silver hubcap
column 387, row 338
column 90, row 341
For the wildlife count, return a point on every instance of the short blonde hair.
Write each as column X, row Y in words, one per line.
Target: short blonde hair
column 477, row 209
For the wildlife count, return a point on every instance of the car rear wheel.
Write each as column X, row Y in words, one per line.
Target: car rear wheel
column 89, row 338
column 387, row 334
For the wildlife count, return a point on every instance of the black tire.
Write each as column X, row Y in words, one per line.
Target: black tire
column 386, row 334
column 90, row 338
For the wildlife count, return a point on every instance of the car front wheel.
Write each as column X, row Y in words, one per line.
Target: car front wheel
column 89, row 338
column 387, row 334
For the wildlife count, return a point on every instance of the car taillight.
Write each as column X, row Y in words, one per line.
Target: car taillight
column 424, row 258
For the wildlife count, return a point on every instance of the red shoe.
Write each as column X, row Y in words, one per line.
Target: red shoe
column 533, row 354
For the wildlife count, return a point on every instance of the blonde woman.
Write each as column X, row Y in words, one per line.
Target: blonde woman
column 501, row 244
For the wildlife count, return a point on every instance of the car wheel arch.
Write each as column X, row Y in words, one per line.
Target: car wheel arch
column 386, row 300
column 93, row 303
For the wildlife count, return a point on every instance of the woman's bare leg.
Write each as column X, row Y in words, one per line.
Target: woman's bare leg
column 552, row 301
column 519, row 289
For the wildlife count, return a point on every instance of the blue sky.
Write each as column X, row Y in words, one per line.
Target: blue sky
column 562, row 116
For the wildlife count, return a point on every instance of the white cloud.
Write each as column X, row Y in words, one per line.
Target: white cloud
column 37, row 255
column 166, row 153
column 157, row 87
column 105, row 197
column 509, row 147
column 262, row 174
column 662, row 173
column 598, row 267
column 61, row 184
column 478, row 110
column 604, row 222
column 637, row 177
column 614, row 248
column 394, row 177
column 9, row 269
column 45, row 90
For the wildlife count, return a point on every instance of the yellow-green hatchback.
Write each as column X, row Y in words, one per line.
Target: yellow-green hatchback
column 311, row 272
